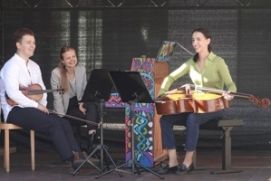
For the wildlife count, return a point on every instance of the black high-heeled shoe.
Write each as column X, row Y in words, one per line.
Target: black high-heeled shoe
column 185, row 169
column 165, row 169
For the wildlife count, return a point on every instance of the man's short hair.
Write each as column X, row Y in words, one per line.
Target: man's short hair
column 19, row 33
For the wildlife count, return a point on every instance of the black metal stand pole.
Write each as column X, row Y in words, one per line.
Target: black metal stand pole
column 101, row 147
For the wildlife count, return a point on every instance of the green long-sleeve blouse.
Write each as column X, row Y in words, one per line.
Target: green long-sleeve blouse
column 215, row 74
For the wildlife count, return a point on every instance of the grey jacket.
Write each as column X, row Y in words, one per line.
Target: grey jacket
column 61, row 101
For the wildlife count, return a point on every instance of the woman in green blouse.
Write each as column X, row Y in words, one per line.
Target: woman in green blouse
column 205, row 69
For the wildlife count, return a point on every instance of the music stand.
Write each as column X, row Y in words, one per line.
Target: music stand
column 98, row 89
column 132, row 89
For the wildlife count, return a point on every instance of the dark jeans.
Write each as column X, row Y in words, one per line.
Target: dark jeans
column 192, row 121
column 58, row 129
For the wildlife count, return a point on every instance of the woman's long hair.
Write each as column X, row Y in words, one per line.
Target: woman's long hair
column 207, row 35
column 64, row 83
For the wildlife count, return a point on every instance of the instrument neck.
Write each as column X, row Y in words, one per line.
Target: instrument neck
column 219, row 91
column 265, row 102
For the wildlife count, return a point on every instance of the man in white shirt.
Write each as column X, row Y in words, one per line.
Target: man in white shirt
column 21, row 72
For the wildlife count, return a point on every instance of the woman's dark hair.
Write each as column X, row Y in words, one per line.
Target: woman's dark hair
column 207, row 35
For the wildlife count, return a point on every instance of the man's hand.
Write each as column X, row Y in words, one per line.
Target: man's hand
column 81, row 108
column 43, row 108
column 227, row 96
column 187, row 88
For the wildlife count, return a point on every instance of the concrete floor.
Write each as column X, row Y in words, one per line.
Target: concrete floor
column 254, row 164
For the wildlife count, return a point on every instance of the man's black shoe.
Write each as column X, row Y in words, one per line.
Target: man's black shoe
column 76, row 160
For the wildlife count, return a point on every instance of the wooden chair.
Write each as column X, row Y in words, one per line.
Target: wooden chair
column 225, row 126
column 7, row 127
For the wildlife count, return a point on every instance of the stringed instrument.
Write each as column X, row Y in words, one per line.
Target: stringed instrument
column 203, row 101
column 34, row 92
column 262, row 102
column 198, row 102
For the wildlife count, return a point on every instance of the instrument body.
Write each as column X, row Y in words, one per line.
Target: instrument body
column 33, row 91
column 199, row 102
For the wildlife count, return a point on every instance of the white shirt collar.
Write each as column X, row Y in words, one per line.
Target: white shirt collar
column 20, row 60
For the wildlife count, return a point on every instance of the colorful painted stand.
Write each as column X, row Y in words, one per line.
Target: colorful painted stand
column 147, row 135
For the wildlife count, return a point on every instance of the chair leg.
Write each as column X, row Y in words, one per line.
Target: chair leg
column 32, row 142
column 6, row 151
column 195, row 159
column 226, row 155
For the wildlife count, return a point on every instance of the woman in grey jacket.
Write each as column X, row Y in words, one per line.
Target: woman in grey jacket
column 71, row 76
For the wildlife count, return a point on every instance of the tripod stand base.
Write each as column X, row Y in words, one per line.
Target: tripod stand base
column 104, row 149
column 135, row 168
column 138, row 166
column 116, row 169
column 87, row 160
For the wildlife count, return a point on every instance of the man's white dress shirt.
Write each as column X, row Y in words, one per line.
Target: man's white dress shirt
column 18, row 73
